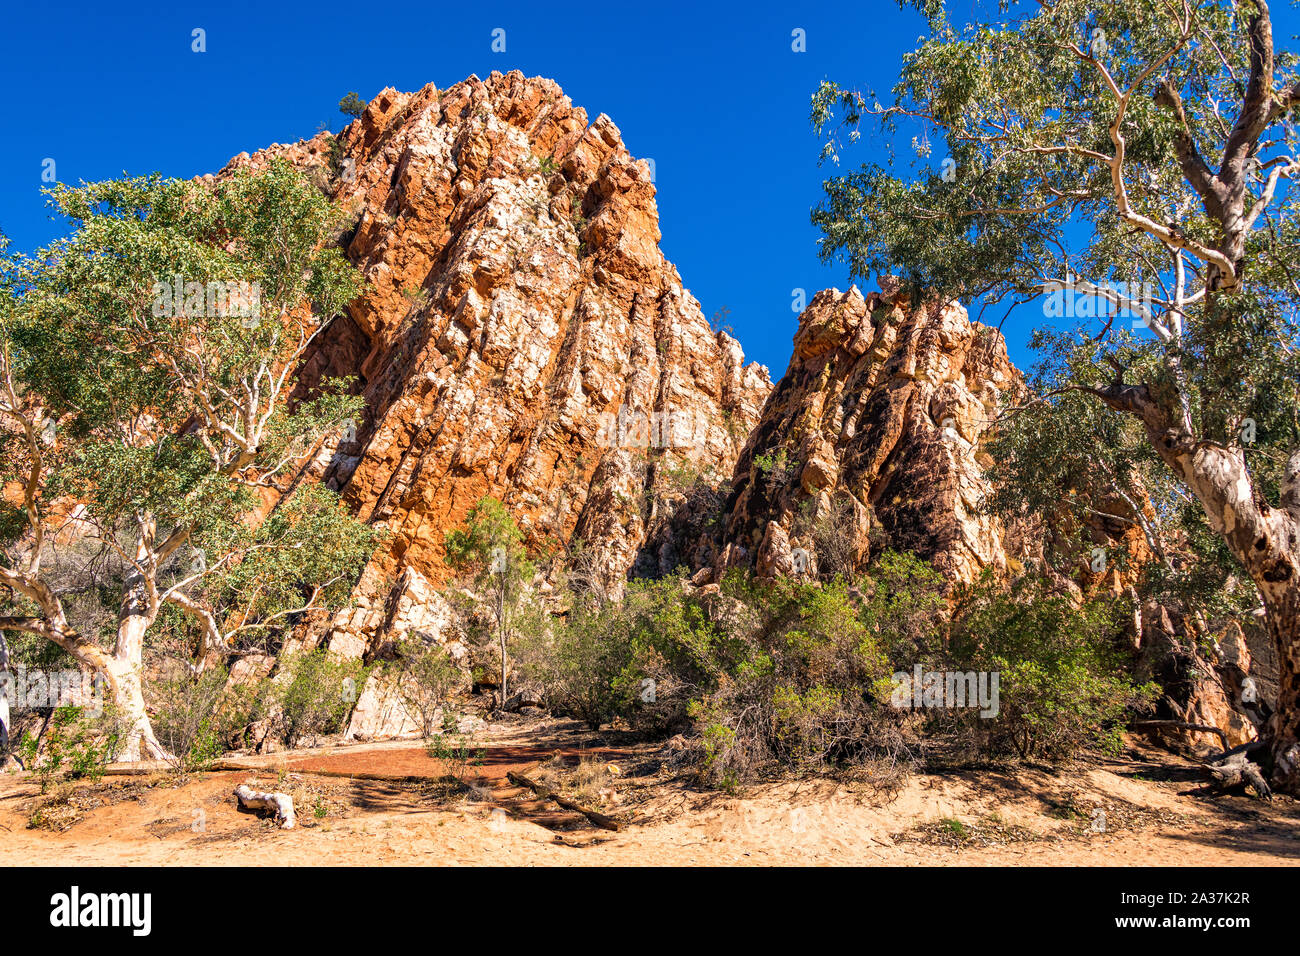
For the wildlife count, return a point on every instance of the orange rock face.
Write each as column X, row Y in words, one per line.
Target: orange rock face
column 521, row 335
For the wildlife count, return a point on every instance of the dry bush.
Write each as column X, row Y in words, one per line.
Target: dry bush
column 590, row 782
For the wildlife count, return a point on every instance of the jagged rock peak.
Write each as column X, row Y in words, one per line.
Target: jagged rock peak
column 872, row 439
column 521, row 334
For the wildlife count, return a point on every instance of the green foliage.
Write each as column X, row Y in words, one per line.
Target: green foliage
column 1089, row 141
column 425, row 676
column 799, row 676
column 905, row 605
column 1062, row 683
column 579, row 661
column 319, row 695
column 459, row 750
column 778, row 463
column 159, row 338
column 352, row 105
column 768, row 674
column 308, row 550
column 108, row 290
column 1074, row 464
column 489, row 550
column 639, row 659
column 489, row 545
column 186, row 719
column 999, row 98
column 74, row 746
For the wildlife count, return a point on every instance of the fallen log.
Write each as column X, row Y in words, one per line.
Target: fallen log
column 225, row 766
column 546, row 793
column 446, row 778
column 281, row 803
column 1238, row 771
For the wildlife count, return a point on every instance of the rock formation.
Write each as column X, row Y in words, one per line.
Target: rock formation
column 873, row 433
column 521, row 336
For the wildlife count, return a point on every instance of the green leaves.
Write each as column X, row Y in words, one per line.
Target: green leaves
column 1024, row 111
column 1061, row 684
column 183, row 293
column 308, row 550
column 489, row 545
column 352, row 105
column 154, row 348
column 1139, row 143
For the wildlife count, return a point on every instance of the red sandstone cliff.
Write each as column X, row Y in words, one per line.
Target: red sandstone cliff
column 521, row 336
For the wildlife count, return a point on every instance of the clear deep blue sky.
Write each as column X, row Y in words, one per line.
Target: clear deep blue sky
column 714, row 94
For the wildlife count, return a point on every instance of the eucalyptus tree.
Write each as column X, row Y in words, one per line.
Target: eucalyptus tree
column 147, row 359
column 1147, row 147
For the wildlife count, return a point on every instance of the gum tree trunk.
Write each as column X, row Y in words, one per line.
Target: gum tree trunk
column 124, row 671
column 4, row 696
column 1284, row 725
column 1263, row 538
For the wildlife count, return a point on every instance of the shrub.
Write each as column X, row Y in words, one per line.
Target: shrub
column 75, row 745
column 802, row 684
column 318, row 697
column 905, row 604
column 640, row 658
column 187, row 719
column 794, row 676
column 1062, row 687
column 425, row 677
column 578, row 662
column 243, row 705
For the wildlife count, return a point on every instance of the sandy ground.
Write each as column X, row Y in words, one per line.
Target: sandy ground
column 1143, row 810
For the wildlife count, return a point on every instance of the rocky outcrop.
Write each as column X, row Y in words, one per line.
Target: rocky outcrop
column 521, row 334
column 872, row 439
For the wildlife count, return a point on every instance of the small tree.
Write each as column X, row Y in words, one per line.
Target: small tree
column 318, row 695
column 490, row 549
column 425, row 676
column 352, row 105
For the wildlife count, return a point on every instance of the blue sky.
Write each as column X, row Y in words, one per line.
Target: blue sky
column 715, row 95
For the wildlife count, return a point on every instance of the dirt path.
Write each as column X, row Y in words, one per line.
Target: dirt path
column 1142, row 811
